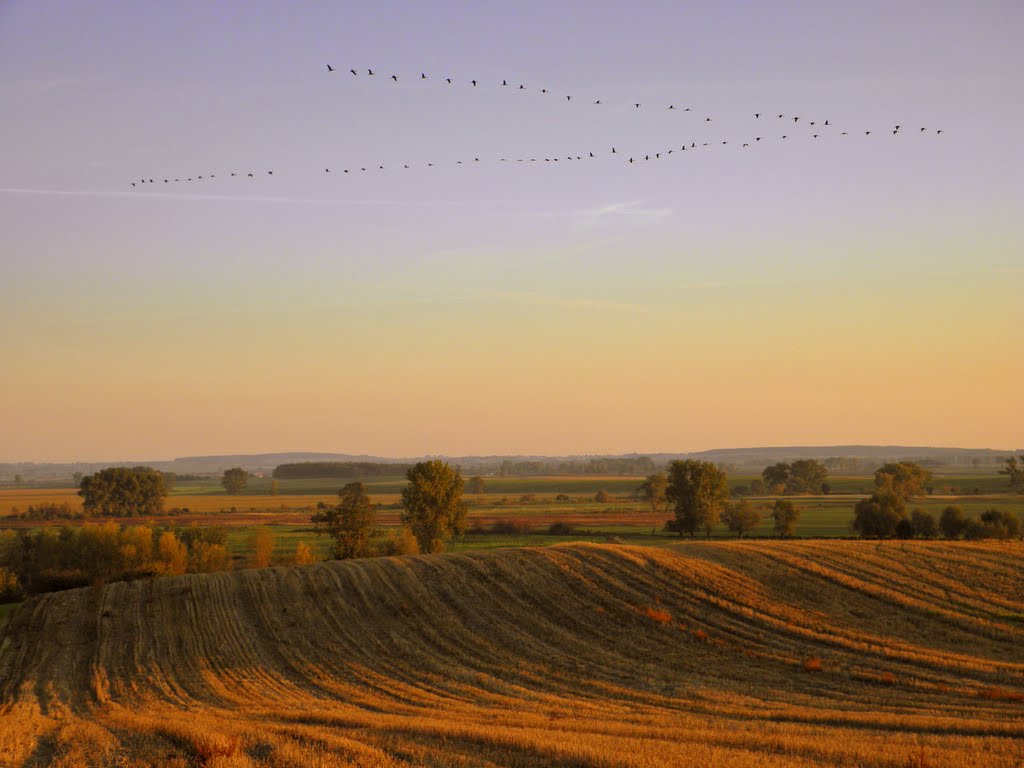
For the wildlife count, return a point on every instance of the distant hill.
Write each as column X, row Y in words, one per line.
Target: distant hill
column 859, row 458
column 787, row 654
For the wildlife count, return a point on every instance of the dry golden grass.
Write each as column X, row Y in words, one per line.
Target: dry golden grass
column 574, row 655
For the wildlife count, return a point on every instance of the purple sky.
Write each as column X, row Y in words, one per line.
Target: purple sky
column 119, row 302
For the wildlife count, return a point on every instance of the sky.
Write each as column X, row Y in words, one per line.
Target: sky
column 856, row 289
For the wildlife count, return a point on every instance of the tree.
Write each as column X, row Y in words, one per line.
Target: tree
column 263, row 544
column 924, row 524
column 350, row 524
column 602, row 497
column 904, row 478
column 776, row 476
column 878, row 515
column 235, row 480
column 275, row 487
column 697, row 491
column 952, row 522
column 653, row 491
column 784, row 517
column 806, row 476
column 1014, row 472
column 476, row 484
column 434, row 509
column 123, row 492
column 303, row 554
column 741, row 518
column 1000, row 524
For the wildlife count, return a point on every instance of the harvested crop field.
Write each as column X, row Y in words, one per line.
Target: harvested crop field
column 723, row 653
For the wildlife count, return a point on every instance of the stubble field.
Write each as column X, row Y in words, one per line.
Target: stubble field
column 753, row 653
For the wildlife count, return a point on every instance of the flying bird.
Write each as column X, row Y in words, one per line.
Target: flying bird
column 395, row 78
column 250, row 176
column 826, row 122
column 133, row 183
column 671, row 106
column 449, row 80
column 598, row 101
column 327, row 170
column 939, row 131
column 795, row 119
column 473, row 82
column 781, row 116
column 504, row 82
column 757, row 114
column 353, row 72
column 707, row 119
column 543, row 90
column 867, row 133
column 569, row 98
column 922, row 130
column 422, row 76
column 637, row 106
column 330, row 68
column 369, row 71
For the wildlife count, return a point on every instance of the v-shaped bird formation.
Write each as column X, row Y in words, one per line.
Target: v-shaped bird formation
column 816, row 129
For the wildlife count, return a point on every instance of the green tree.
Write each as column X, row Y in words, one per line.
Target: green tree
column 924, row 524
column 806, row 476
column 904, row 478
column 952, row 522
column 1014, row 472
column 653, row 491
column 235, row 480
column 476, row 484
column 776, row 476
column 741, row 518
column 350, row 523
column 123, row 492
column 784, row 517
column 879, row 514
column 434, row 509
column 697, row 491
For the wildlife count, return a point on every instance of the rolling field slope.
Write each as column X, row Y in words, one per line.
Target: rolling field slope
column 767, row 653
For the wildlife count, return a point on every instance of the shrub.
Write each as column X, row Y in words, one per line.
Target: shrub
column 1000, row 524
column 952, row 522
column 401, row 543
column 303, row 554
column 561, row 529
column 562, row 497
column 510, row 528
column 924, row 524
column 878, row 515
column 784, row 517
column 602, row 497
column 10, row 587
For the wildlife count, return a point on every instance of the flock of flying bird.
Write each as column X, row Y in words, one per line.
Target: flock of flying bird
column 819, row 125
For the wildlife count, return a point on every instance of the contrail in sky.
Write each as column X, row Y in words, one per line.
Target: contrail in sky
column 99, row 193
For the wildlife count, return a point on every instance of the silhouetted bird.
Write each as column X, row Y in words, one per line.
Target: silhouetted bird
column 637, row 106
column 353, row 72
column 591, row 154
column 369, row 71
column 133, row 183
column 250, row 176
column 613, row 150
column 543, row 90
column 330, row 68
column 707, row 119
column 270, row 173
column 894, row 133
column 785, row 137
column 781, row 116
column 844, row 133
column 504, row 82
column 922, row 130
column 671, row 106
column 939, row 131
column 569, row 98
column 757, row 114
column 795, row 119
column 826, row 122
column 232, row 174
column 473, row 82
column 897, row 127
column 815, row 135
column 812, row 122
column 867, row 133
column 598, row 101
column 422, row 76
column 522, row 87
column 758, row 138
column 746, row 145
column 327, row 170
column 395, row 78
column 449, row 80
